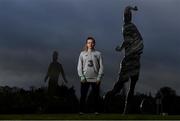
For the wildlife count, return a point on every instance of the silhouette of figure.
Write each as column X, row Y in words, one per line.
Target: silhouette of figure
column 90, row 70
column 54, row 70
column 130, row 65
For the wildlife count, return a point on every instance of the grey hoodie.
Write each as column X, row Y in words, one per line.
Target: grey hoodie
column 90, row 66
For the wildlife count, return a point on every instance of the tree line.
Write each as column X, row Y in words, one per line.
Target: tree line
column 21, row 101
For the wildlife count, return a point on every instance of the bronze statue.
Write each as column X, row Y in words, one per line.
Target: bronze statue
column 130, row 65
column 54, row 70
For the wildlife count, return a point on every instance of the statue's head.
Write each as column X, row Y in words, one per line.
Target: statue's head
column 55, row 56
column 128, row 13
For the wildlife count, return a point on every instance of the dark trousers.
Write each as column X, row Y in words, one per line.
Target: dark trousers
column 95, row 94
column 129, row 98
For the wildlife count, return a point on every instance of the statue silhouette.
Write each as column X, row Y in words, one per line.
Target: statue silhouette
column 54, row 70
column 130, row 65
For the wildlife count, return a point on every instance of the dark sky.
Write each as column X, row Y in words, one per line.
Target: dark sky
column 30, row 30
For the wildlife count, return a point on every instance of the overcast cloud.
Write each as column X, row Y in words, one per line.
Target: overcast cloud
column 30, row 30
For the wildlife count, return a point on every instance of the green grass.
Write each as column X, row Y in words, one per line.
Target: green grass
column 85, row 117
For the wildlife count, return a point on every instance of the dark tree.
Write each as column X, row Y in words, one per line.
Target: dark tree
column 167, row 97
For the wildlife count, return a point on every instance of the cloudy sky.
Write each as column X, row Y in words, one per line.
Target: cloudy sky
column 30, row 30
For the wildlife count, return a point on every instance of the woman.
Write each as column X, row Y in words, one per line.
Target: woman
column 90, row 71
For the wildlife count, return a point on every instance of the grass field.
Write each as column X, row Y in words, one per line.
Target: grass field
column 86, row 117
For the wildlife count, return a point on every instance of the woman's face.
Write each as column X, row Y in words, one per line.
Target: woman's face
column 90, row 44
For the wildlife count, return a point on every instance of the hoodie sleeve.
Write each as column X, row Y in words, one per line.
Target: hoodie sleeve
column 101, row 68
column 80, row 67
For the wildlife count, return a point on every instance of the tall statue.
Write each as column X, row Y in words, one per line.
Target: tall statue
column 130, row 65
column 54, row 70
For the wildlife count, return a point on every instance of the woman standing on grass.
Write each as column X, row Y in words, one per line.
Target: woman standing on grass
column 90, row 71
